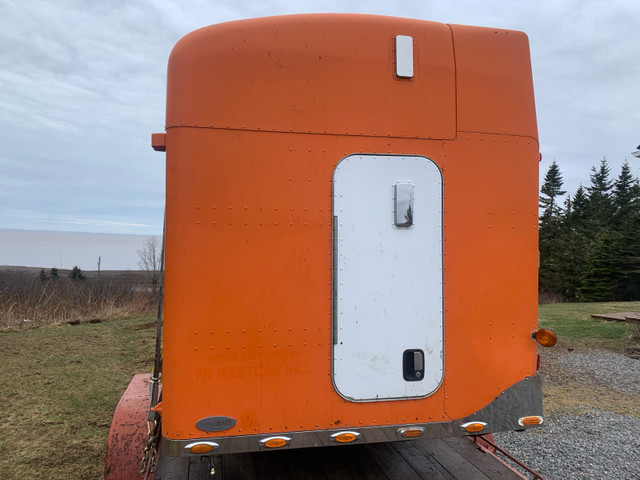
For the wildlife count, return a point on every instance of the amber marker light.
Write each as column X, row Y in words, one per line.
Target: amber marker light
column 545, row 337
column 473, row 427
column 411, row 432
column 275, row 442
column 528, row 421
column 345, row 437
column 200, row 448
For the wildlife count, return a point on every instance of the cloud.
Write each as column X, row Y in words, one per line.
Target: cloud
column 82, row 87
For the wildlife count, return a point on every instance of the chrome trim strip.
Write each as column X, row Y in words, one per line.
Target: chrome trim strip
column 520, row 400
column 334, row 281
column 503, row 413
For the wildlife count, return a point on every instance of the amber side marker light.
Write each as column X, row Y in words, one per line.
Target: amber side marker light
column 473, row 427
column 201, row 447
column 345, row 437
column 528, row 421
column 275, row 442
column 545, row 337
column 413, row 432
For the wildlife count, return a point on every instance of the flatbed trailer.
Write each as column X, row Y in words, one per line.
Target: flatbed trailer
column 464, row 458
column 430, row 458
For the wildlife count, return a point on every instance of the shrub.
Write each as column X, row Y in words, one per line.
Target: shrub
column 26, row 300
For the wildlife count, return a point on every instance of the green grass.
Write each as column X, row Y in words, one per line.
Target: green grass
column 573, row 324
column 59, row 386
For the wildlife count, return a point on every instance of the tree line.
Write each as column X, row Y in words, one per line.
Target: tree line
column 590, row 241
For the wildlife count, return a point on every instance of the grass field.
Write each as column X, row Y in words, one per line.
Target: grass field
column 574, row 326
column 59, row 385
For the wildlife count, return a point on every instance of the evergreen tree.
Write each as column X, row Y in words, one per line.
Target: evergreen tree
column 626, row 226
column 77, row 274
column 550, row 232
column 624, row 192
column 579, row 206
column 576, row 245
column 598, row 281
column 551, row 190
column 600, row 206
column 590, row 247
column 601, row 246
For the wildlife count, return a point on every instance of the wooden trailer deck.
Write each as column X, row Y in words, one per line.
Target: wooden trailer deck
column 628, row 317
column 450, row 458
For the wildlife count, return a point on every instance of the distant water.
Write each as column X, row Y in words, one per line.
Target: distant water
column 30, row 248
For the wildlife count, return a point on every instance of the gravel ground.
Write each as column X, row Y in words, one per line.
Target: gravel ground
column 585, row 436
column 597, row 444
column 595, row 367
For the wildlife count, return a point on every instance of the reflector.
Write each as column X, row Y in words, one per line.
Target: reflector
column 532, row 420
column 201, row 448
column 345, row 437
column 473, row 427
column 546, row 337
column 275, row 442
column 411, row 432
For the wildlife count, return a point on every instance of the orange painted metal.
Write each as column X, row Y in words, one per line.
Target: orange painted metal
column 159, row 142
column 128, row 433
column 494, row 82
column 259, row 113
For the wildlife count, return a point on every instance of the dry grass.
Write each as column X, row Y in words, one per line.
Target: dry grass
column 576, row 398
column 634, row 332
column 28, row 301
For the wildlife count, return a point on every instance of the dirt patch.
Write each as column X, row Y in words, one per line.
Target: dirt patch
column 144, row 326
column 634, row 352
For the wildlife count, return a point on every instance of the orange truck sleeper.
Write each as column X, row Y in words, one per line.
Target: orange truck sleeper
column 351, row 234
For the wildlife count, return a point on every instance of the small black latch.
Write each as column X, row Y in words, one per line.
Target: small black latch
column 413, row 365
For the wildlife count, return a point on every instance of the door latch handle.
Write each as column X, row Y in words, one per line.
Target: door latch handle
column 403, row 204
column 413, row 365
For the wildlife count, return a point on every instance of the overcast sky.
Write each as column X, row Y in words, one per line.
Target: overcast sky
column 82, row 87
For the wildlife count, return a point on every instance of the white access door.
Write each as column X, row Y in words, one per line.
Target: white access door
column 387, row 276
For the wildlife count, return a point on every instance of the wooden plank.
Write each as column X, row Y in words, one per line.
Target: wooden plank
column 433, row 459
column 312, row 463
column 618, row 316
column 217, row 465
column 333, row 464
column 172, row 468
column 239, row 465
column 451, row 460
column 424, row 464
column 390, row 463
column 272, row 465
column 200, row 467
column 360, row 462
column 482, row 461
